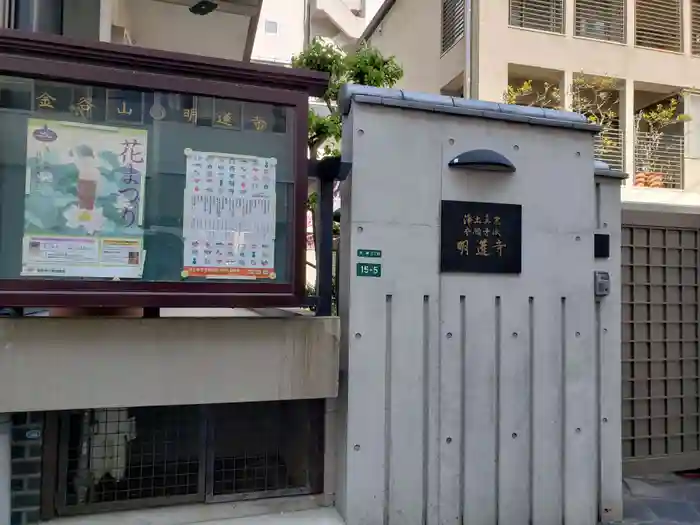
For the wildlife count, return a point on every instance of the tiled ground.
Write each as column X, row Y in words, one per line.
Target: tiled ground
column 662, row 500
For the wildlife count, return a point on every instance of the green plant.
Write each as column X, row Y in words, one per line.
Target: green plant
column 595, row 97
column 649, row 141
column 365, row 65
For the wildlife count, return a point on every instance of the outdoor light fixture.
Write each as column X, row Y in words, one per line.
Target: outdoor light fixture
column 204, row 7
column 482, row 160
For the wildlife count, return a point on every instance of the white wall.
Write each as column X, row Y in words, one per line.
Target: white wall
column 289, row 39
column 411, row 32
column 171, row 27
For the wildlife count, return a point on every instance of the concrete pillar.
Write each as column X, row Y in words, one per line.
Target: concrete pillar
column 687, row 29
column 5, row 468
column 567, row 79
column 39, row 16
column 569, row 17
column 629, row 22
column 691, row 153
column 106, row 16
column 627, row 115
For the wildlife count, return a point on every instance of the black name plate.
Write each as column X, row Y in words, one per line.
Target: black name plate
column 480, row 237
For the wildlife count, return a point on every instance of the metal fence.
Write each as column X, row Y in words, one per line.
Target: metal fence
column 660, row 342
column 660, row 154
column 609, row 147
column 125, row 458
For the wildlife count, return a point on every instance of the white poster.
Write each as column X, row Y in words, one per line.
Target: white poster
column 84, row 200
column 229, row 216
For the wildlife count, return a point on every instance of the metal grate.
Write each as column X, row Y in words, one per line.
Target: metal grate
column 602, row 20
column 658, row 24
column 122, row 455
column 452, row 23
column 662, row 154
column 543, row 15
column 111, row 459
column 695, row 27
column 258, row 454
column 609, row 147
column 660, row 366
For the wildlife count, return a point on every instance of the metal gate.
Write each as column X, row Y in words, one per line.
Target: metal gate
column 660, row 354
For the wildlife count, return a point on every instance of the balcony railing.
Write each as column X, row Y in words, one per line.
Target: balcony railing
column 600, row 20
column 609, row 147
column 658, row 24
column 543, row 15
column 659, row 158
column 452, row 23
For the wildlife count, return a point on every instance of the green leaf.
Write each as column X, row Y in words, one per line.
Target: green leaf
column 366, row 66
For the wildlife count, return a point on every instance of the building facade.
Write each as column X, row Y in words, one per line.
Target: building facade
column 287, row 26
column 477, row 49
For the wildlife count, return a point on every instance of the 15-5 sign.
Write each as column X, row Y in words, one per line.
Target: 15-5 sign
column 369, row 270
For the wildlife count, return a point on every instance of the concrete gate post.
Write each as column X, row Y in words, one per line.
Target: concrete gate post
column 480, row 307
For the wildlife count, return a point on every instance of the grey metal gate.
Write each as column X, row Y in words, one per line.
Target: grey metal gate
column 660, row 354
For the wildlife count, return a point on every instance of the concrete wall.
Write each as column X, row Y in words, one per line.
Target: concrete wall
column 418, row 51
column 171, row 27
column 81, row 19
column 58, row 364
column 474, row 397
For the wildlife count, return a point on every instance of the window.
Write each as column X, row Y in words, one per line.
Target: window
column 452, row 23
column 658, row 24
column 542, row 15
column 270, row 27
column 122, row 458
column 600, row 20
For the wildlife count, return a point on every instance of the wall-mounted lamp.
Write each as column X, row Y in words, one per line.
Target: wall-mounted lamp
column 204, row 7
column 482, row 160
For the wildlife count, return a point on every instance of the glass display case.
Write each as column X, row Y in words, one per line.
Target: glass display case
column 130, row 177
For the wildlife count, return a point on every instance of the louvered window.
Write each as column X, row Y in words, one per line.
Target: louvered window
column 452, row 23
column 601, row 19
column 695, row 27
column 543, row 15
column 659, row 24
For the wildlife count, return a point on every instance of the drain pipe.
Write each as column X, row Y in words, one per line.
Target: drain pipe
column 471, row 39
column 5, row 468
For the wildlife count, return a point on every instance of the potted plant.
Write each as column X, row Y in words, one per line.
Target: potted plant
column 650, row 168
